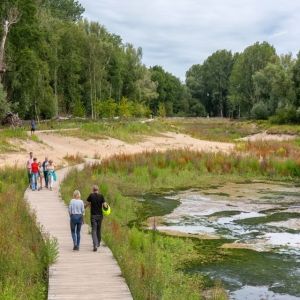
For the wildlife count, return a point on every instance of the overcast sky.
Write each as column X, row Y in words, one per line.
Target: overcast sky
column 179, row 33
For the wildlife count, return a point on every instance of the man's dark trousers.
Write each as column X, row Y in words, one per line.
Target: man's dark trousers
column 96, row 221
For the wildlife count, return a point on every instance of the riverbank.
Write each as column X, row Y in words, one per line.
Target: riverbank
column 148, row 258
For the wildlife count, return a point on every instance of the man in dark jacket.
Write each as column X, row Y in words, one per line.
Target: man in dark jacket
column 96, row 201
column 45, row 171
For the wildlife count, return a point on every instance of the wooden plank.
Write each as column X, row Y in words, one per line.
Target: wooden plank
column 85, row 274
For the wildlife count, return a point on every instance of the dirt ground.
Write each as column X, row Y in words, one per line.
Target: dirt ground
column 264, row 136
column 56, row 146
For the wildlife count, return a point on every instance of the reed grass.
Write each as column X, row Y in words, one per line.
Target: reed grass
column 74, row 159
column 153, row 263
column 24, row 253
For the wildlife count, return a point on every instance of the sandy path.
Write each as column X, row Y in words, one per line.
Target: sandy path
column 56, row 147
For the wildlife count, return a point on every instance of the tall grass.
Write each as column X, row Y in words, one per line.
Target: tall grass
column 271, row 149
column 73, row 159
column 151, row 262
column 24, row 256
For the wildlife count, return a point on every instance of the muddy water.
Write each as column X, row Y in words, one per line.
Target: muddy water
column 263, row 217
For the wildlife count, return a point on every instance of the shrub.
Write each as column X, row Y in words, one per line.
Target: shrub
column 78, row 109
column 125, row 108
column 106, row 108
column 286, row 115
column 259, row 111
column 162, row 110
column 198, row 110
column 4, row 106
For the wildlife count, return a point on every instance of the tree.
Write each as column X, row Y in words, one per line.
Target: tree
column 170, row 91
column 296, row 80
column 11, row 18
column 209, row 82
column 273, row 85
column 68, row 10
column 242, row 91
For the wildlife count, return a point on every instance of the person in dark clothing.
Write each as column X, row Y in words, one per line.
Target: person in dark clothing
column 33, row 126
column 45, row 171
column 95, row 200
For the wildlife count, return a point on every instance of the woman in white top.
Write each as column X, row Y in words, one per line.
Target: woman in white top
column 76, row 211
column 51, row 175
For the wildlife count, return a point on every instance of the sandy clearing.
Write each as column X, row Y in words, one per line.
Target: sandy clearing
column 264, row 136
column 56, row 147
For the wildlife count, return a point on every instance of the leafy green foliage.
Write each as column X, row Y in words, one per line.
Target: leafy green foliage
column 209, row 82
column 260, row 111
column 4, row 106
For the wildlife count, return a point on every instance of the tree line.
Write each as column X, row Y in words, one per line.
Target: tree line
column 54, row 62
column 256, row 83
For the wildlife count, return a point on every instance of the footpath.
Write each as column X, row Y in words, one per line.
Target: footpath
column 80, row 274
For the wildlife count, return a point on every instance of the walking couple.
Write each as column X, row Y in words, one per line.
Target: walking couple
column 97, row 205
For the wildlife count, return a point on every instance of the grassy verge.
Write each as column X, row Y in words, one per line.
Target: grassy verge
column 153, row 263
column 24, row 254
column 128, row 131
column 293, row 129
column 214, row 129
column 9, row 139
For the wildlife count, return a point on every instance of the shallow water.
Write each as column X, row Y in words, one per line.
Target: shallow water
column 259, row 216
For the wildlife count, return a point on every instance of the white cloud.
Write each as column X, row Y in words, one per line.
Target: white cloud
column 179, row 33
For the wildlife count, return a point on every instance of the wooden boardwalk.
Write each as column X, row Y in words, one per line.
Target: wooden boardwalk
column 76, row 275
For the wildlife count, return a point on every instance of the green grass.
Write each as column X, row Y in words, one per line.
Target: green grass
column 214, row 129
column 276, row 217
column 128, row 131
column 9, row 134
column 279, row 129
column 24, row 254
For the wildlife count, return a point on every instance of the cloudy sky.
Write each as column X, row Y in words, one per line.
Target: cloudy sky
column 179, row 33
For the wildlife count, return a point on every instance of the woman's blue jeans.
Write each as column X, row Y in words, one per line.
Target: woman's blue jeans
column 75, row 223
column 34, row 181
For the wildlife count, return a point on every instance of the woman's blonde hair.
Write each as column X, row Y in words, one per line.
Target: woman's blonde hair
column 76, row 194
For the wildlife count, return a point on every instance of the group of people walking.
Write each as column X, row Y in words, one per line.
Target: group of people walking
column 97, row 205
column 45, row 171
column 38, row 172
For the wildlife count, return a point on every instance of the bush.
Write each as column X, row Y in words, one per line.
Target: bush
column 162, row 110
column 4, row 106
column 259, row 111
column 125, row 108
column 286, row 115
column 106, row 108
column 78, row 109
column 198, row 110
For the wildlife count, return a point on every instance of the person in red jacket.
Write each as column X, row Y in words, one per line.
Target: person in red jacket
column 34, row 174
